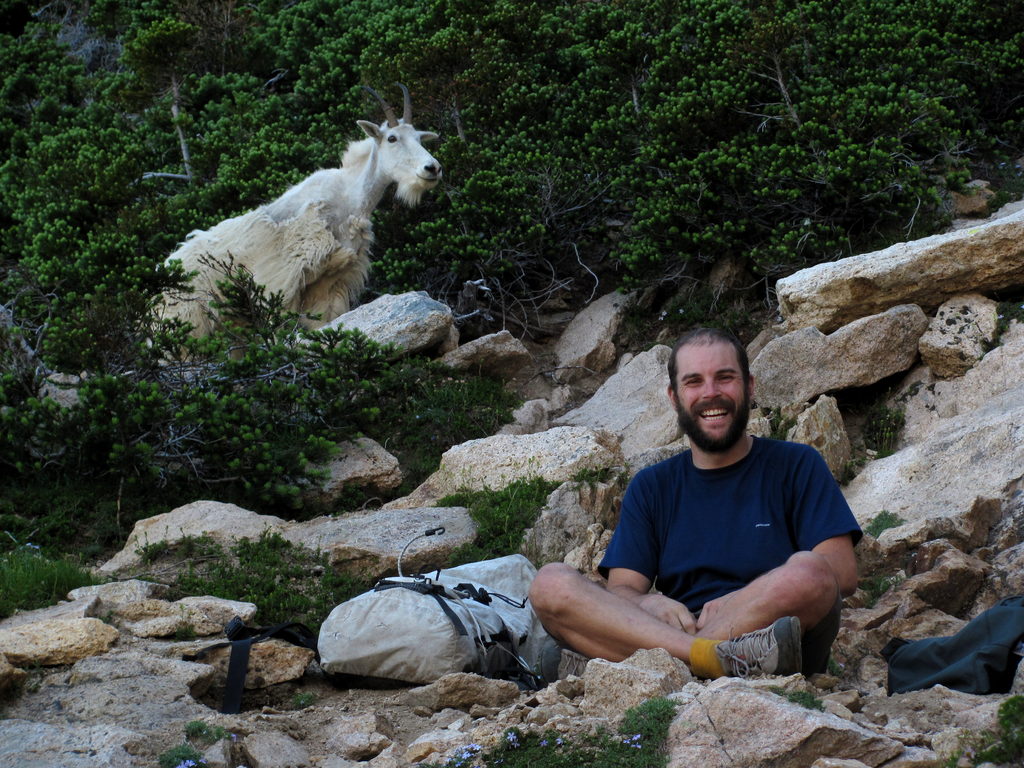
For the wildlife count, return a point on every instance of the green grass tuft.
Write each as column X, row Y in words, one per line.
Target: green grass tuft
column 29, row 580
column 639, row 743
column 883, row 521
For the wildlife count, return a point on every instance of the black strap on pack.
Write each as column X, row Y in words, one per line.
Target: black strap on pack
column 241, row 638
column 436, row 591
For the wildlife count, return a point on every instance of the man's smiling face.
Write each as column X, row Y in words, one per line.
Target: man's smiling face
column 710, row 397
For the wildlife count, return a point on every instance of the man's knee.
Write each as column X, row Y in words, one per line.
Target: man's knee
column 812, row 581
column 554, row 585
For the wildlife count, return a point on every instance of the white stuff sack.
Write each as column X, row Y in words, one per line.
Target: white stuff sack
column 416, row 629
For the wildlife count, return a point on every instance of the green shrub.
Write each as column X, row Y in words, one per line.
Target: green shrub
column 30, row 580
column 246, row 415
column 285, row 581
column 501, row 517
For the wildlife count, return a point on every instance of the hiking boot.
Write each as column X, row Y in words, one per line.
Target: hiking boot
column 557, row 663
column 571, row 663
column 774, row 650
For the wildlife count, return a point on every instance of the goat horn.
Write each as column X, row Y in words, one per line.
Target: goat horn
column 389, row 113
column 407, row 104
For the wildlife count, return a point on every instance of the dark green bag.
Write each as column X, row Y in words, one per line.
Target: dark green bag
column 980, row 658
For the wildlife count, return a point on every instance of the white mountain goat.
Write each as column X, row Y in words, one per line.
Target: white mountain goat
column 312, row 244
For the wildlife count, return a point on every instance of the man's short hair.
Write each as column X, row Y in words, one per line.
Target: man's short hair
column 707, row 336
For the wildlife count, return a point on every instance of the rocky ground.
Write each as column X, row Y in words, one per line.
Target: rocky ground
column 98, row 681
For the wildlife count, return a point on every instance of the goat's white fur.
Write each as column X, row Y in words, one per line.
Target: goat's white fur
column 311, row 244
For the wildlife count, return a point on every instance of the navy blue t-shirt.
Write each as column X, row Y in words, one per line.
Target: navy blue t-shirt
column 701, row 533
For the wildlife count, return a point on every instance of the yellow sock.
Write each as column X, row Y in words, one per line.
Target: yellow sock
column 703, row 659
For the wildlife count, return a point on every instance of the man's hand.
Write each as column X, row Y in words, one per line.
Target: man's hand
column 712, row 610
column 636, row 588
column 670, row 611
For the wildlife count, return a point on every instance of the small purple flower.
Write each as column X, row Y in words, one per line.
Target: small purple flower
column 513, row 739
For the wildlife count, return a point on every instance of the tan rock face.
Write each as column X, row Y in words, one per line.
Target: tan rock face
column 959, row 335
column 926, row 272
column 270, row 662
column 49, row 643
column 632, row 404
column 821, row 426
column 586, row 345
column 559, row 454
column 500, row 354
column 800, row 365
column 10, row 676
column 224, row 523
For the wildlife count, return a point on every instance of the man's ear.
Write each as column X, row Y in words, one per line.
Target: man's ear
column 672, row 398
column 750, row 389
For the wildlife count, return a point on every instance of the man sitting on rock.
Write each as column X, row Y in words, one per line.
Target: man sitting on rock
column 749, row 542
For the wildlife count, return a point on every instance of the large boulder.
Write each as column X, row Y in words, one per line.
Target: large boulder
column 586, row 346
column 976, row 454
column 632, row 404
column 411, row 322
column 222, row 523
column 557, row 455
column 800, row 365
column 926, row 272
column 959, row 334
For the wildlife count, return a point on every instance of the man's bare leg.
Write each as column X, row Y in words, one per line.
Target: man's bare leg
column 805, row 587
column 598, row 623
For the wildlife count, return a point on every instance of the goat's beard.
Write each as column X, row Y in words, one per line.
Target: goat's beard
column 410, row 192
column 692, row 429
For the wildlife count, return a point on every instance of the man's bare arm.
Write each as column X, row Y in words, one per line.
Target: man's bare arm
column 838, row 551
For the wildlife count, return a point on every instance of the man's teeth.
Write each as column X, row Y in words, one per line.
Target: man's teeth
column 713, row 413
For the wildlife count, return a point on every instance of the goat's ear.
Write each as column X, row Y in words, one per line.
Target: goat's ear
column 428, row 136
column 370, row 129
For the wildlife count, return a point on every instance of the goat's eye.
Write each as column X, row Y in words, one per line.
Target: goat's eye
column 392, row 138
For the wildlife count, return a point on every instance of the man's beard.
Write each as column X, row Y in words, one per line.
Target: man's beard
column 693, row 430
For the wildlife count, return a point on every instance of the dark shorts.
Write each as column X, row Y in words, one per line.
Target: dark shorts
column 817, row 641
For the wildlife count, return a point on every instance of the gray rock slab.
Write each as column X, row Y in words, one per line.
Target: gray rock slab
column 412, row 322
column 26, row 744
column 370, row 542
column 806, row 363
column 986, row 257
column 633, row 404
column 976, row 454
